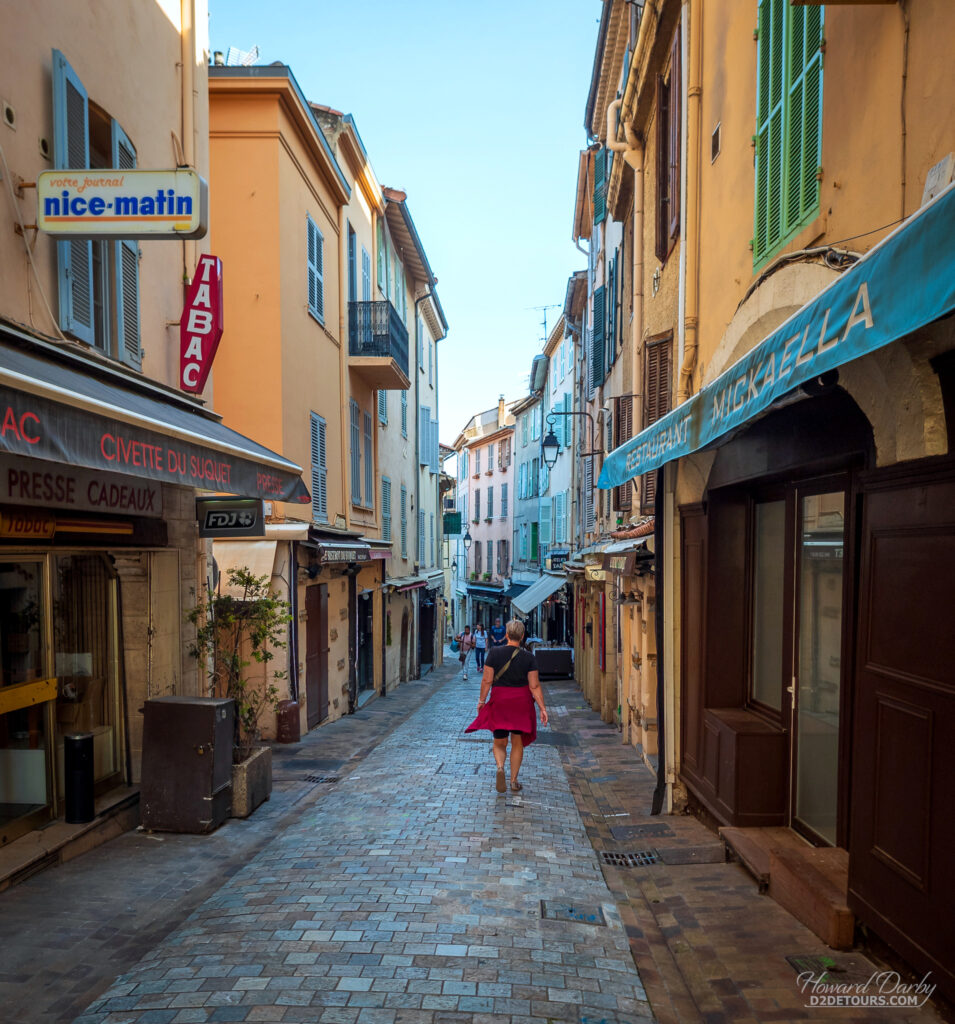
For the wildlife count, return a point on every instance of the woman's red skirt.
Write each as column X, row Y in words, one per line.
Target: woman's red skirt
column 508, row 707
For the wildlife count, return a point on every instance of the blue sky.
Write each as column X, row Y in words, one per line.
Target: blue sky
column 476, row 111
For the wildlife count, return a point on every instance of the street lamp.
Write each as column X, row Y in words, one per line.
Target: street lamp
column 550, row 447
column 467, row 540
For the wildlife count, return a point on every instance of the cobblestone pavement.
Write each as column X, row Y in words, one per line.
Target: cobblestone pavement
column 66, row 933
column 410, row 893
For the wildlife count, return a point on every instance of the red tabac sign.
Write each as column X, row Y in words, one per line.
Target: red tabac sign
column 201, row 325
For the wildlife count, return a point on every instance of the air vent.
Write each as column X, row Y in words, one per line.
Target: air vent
column 321, row 778
column 9, row 116
column 715, row 142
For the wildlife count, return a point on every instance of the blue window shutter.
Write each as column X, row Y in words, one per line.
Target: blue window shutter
column 71, row 148
column 126, row 275
column 404, row 413
column 369, row 465
column 600, row 185
column 611, row 338
column 319, row 470
column 382, row 406
column 385, row 508
column 315, row 259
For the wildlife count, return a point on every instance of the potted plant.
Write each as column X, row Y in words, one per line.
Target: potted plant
column 487, row 576
column 235, row 631
column 474, row 575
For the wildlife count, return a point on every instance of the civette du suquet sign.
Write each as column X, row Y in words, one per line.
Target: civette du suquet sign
column 39, row 428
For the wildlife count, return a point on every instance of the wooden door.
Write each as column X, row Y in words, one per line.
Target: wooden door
column 316, row 652
column 902, row 830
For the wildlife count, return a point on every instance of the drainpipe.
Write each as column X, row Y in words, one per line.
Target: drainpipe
column 187, row 54
column 691, row 40
column 343, row 352
column 416, row 603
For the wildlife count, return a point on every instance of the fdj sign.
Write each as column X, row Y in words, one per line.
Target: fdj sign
column 237, row 517
column 201, row 325
column 122, row 204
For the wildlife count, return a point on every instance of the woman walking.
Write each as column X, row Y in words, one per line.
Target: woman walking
column 510, row 687
column 480, row 646
column 466, row 640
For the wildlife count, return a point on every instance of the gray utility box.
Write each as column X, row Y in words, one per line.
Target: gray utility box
column 187, row 763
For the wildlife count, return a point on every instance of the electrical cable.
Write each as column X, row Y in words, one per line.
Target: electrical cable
column 29, row 251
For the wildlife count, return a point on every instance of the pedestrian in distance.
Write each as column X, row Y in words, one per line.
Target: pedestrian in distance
column 510, row 689
column 466, row 642
column 480, row 646
column 498, row 634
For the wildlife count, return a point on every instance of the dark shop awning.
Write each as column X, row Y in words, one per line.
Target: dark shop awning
column 51, row 410
column 900, row 285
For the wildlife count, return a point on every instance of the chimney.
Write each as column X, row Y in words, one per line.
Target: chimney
column 501, row 413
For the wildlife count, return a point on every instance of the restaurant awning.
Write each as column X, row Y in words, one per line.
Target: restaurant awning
column 88, row 417
column 536, row 593
column 901, row 284
column 405, row 583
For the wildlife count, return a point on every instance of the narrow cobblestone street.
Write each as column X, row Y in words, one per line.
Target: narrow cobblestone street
column 403, row 888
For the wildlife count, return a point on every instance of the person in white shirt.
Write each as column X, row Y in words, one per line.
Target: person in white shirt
column 480, row 646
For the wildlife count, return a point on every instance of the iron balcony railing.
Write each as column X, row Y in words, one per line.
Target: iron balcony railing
column 376, row 329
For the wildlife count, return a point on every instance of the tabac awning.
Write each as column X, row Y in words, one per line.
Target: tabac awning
column 901, row 284
column 537, row 592
column 55, row 411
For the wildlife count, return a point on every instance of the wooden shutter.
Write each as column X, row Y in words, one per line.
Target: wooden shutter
column 382, row 406
column 623, row 495
column 803, row 113
column 661, row 213
column 600, row 186
column 769, row 126
column 589, row 520
column 421, row 551
column 369, row 464
column 504, row 501
column 126, row 273
column 597, row 341
column 355, row 452
column 71, row 148
column 365, row 275
column 673, row 147
column 657, row 387
column 385, row 508
column 319, row 471
column 490, row 503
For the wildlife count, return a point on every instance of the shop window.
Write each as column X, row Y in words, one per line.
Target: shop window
column 788, row 122
column 98, row 281
column 769, row 558
column 668, row 154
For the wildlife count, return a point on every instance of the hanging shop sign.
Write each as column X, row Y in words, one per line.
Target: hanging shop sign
column 595, row 573
column 30, row 482
column 230, row 517
column 200, row 327
column 122, row 203
column 901, row 284
column 345, row 551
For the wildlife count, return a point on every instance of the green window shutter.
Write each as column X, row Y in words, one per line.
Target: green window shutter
column 597, row 341
column 788, row 122
column 611, row 337
column 385, row 508
column 126, row 255
column 600, row 186
column 382, row 406
column 71, row 148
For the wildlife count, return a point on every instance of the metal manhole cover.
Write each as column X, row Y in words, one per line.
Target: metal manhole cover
column 633, row 859
column 625, row 832
column 321, row 778
column 579, row 913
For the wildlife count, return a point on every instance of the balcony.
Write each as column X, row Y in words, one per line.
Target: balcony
column 378, row 345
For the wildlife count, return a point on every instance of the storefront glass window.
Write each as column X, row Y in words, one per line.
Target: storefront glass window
column 23, row 777
column 84, row 653
column 768, row 603
column 821, row 539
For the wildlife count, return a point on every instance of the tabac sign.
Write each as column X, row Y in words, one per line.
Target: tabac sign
column 200, row 327
column 116, row 203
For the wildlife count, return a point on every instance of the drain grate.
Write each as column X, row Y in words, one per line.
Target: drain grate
column 321, row 778
column 634, row 859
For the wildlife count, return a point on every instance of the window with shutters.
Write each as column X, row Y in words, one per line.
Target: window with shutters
column 478, row 549
column 667, row 214
column 385, row 508
column 490, row 555
column 546, row 525
column 588, row 496
column 524, row 430
column 421, row 549
column 404, row 413
column 365, row 275
column 490, row 457
column 623, row 431
column 504, row 501
column 315, row 260
column 477, row 461
column 490, row 503
column 597, row 370
column 319, row 470
column 788, row 122
column 97, row 281
column 382, row 406
column 430, row 361
column 504, row 453
column 431, row 542
column 600, row 186
column 355, row 415
column 610, row 345
column 657, row 389
column 477, row 503
column 404, row 522
column 369, row 464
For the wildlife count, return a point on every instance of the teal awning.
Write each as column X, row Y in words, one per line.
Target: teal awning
column 901, row 284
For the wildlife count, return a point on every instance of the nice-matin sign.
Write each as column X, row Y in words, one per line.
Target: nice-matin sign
column 122, row 204
column 901, row 284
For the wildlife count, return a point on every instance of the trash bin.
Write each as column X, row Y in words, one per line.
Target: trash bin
column 78, row 777
column 287, row 726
